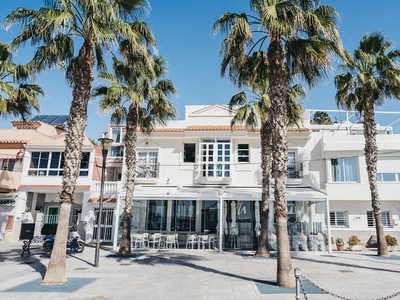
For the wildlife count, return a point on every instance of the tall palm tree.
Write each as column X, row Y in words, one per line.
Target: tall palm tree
column 300, row 35
column 140, row 98
column 252, row 73
column 373, row 76
column 18, row 97
column 97, row 26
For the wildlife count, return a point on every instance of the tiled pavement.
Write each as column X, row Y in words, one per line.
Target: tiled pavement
column 197, row 275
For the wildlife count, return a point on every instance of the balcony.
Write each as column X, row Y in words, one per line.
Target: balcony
column 110, row 188
column 147, row 173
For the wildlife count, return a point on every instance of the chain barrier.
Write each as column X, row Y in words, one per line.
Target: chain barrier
column 336, row 295
column 303, row 290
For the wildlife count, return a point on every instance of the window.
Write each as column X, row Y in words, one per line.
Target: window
column 40, row 201
column 385, row 219
column 292, row 170
column 11, row 164
column 183, row 216
column 52, row 164
column 215, row 157
column 344, row 169
column 388, row 177
column 339, row 219
column 147, row 164
column 243, row 153
column 156, row 215
column 189, row 152
column 117, row 149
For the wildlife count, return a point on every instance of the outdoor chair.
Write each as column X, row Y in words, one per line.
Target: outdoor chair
column 155, row 240
column 169, row 242
column 191, row 240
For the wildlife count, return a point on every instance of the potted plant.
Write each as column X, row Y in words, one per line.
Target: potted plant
column 355, row 243
column 391, row 242
column 339, row 244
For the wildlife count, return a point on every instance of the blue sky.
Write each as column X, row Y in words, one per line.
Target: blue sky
column 183, row 32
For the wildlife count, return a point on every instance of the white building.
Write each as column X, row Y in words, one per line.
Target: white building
column 31, row 158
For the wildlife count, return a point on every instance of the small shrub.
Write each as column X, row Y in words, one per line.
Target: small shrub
column 391, row 240
column 339, row 241
column 354, row 240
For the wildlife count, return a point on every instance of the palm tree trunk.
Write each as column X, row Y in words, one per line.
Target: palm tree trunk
column 130, row 157
column 277, row 77
column 83, row 78
column 265, row 134
column 371, row 158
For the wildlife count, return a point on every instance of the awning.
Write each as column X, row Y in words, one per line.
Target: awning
column 9, row 153
column 227, row 193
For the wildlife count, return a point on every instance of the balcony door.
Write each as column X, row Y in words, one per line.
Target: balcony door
column 147, row 161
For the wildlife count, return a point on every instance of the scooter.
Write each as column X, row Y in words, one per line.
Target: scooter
column 73, row 233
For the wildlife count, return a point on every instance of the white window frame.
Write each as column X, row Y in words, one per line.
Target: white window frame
column 343, row 170
column 44, row 169
column 215, row 157
column 341, row 216
column 118, row 136
column 386, row 219
column 147, row 163
column 243, row 155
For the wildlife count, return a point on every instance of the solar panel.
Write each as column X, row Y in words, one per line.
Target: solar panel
column 51, row 119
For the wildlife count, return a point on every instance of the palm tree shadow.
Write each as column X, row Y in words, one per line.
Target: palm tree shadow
column 186, row 260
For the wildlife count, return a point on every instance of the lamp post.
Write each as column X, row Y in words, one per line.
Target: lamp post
column 105, row 146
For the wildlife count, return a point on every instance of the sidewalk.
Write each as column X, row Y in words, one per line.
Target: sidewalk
column 197, row 275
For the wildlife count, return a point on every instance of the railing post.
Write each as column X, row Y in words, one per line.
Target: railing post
column 297, row 274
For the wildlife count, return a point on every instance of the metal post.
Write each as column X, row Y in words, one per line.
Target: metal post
column 221, row 225
column 99, row 221
column 297, row 274
column 105, row 144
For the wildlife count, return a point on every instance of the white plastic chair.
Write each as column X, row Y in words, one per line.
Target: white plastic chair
column 191, row 240
column 155, row 239
column 169, row 241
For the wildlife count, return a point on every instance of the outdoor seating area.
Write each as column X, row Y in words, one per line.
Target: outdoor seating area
column 173, row 241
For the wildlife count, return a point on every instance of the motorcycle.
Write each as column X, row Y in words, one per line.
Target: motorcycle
column 73, row 233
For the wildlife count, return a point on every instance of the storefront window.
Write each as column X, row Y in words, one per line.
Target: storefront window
column 156, row 215
column 183, row 217
column 209, row 216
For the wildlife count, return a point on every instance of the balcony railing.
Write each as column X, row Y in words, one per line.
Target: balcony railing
column 293, row 173
column 110, row 188
column 147, row 170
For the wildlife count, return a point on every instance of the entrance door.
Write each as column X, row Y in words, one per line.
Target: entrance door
column 106, row 224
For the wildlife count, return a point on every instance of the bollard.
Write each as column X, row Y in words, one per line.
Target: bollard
column 297, row 274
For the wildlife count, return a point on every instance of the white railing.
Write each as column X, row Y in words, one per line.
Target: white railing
column 110, row 188
column 51, row 219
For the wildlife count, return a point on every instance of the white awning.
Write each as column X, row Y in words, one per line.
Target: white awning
column 227, row 193
column 8, row 153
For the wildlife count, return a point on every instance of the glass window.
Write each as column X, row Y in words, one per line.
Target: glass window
column 147, row 164
column 339, row 219
column 344, row 169
column 386, row 220
column 52, row 164
column 156, row 215
column 243, row 153
column 116, row 135
column 189, row 152
column 215, row 157
column 183, row 215
column 209, row 216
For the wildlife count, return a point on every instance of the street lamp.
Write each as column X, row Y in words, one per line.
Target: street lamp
column 105, row 146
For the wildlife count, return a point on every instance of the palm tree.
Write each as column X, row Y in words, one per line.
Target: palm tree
column 253, row 73
column 97, row 25
column 302, row 34
column 17, row 96
column 321, row 118
column 138, row 97
column 373, row 75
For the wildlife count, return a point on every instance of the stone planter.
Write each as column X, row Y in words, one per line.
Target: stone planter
column 356, row 247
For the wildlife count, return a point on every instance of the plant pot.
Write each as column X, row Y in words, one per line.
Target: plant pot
column 339, row 247
column 356, row 247
column 391, row 248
